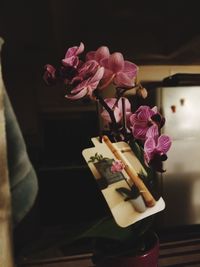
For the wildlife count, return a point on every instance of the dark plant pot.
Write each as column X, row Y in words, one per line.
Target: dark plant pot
column 146, row 258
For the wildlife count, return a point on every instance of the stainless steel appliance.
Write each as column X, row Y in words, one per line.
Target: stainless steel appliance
column 181, row 182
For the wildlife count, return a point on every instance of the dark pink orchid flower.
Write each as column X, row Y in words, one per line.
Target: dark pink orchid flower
column 49, row 74
column 116, row 106
column 87, row 86
column 119, row 71
column 155, row 149
column 143, row 119
column 71, row 57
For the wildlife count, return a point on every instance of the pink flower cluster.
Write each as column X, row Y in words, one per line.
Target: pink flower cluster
column 145, row 125
column 99, row 69
column 89, row 77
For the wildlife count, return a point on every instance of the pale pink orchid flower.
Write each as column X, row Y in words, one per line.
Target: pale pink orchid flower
column 101, row 53
column 86, row 87
column 71, row 57
column 119, row 71
column 141, row 121
column 156, row 146
column 116, row 106
column 117, row 166
column 88, row 69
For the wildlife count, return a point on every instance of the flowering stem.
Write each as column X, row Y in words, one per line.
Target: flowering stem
column 124, row 120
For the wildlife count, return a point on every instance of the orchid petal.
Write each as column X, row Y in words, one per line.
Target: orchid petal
column 144, row 113
column 107, row 78
column 80, row 49
column 71, row 51
column 130, row 69
column 155, row 109
column 105, row 63
column 71, row 61
column 133, row 119
column 122, row 79
column 164, row 144
column 102, row 52
column 149, row 147
column 93, row 82
column 141, row 121
column 71, row 56
column 81, row 94
column 152, row 132
column 88, row 69
column 75, row 50
column 107, row 73
column 139, row 132
column 98, row 75
column 116, row 62
column 80, row 86
column 127, row 104
column 110, row 102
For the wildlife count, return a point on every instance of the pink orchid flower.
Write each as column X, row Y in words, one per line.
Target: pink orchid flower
column 88, row 69
column 71, row 57
column 49, row 74
column 117, row 166
column 155, row 149
column 143, row 119
column 101, row 53
column 86, row 87
column 116, row 106
column 119, row 71
column 152, row 132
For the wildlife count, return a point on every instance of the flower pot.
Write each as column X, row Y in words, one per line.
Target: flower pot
column 145, row 258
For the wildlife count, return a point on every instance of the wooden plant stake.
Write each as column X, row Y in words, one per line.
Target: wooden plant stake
column 148, row 198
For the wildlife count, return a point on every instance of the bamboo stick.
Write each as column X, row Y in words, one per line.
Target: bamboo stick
column 149, row 199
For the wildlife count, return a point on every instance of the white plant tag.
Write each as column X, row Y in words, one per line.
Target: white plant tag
column 115, row 186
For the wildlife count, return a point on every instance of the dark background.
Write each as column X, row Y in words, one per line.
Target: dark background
column 39, row 32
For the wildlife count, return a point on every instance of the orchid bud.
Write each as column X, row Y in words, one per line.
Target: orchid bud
column 142, row 92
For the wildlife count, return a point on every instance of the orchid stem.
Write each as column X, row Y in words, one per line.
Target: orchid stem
column 110, row 112
column 124, row 119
